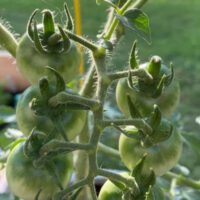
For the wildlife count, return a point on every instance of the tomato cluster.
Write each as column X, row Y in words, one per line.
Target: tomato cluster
column 26, row 177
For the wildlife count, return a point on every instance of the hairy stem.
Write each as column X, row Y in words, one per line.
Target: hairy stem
column 140, row 73
column 7, row 40
column 84, row 42
column 108, row 151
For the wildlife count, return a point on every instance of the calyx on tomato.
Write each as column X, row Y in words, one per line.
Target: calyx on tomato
column 146, row 184
column 25, row 180
column 161, row 75
column 167, row 101
column 34, row 111
column 47, row 44
column 161, row 156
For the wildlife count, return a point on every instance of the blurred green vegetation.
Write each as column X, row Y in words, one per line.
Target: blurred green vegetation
column 175, row 37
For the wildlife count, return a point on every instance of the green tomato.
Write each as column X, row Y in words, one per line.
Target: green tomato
column 25, row 180
column 73, row 120
column 109, row 191
column 167, row 102
column 32, row 63
column 161, row 157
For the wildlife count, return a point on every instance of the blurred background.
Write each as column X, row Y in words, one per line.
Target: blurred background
column 175, row 34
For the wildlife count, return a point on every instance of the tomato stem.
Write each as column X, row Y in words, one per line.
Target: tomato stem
column 181, row 180
column 84, row 42
column 8, row 40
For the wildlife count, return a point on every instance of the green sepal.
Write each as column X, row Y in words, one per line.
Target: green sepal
column 137, row 170
column 36, row 39
column 48, row 23
column 131, row 133
column 33, row 143
column 134, row 112
column 37, row 196
column 148, row 180
column 29, row 25
column 120, row 185
column 44, row 88
column 155, row 118
column 133, row 58
column 149, row 194
column 51, row 167
column 66, row 40
column 75, row 194
column 70, row 23
column 160, row 135
column 154, row 66
column 60, row 83
column 169, row 78
column 159, row 87
column 37, row 106
column 130, row 80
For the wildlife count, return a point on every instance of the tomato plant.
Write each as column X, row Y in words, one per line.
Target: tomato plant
column 149, row 145
column 26, row 180
column 73, row 120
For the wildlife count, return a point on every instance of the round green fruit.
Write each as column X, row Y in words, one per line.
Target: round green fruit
column 161, row 157
column 32, row 63
column 25, row 180
column 73, row 120
column 167, row 102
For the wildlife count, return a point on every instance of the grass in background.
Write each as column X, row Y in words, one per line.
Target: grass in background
column 175, row 37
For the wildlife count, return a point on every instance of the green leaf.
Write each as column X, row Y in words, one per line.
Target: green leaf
column 7, row 115
column 138, row 21
column 134, row 112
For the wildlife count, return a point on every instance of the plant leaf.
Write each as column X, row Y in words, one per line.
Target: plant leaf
column 137, row 21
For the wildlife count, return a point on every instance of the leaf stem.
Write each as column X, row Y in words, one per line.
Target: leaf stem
column 115, row 22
